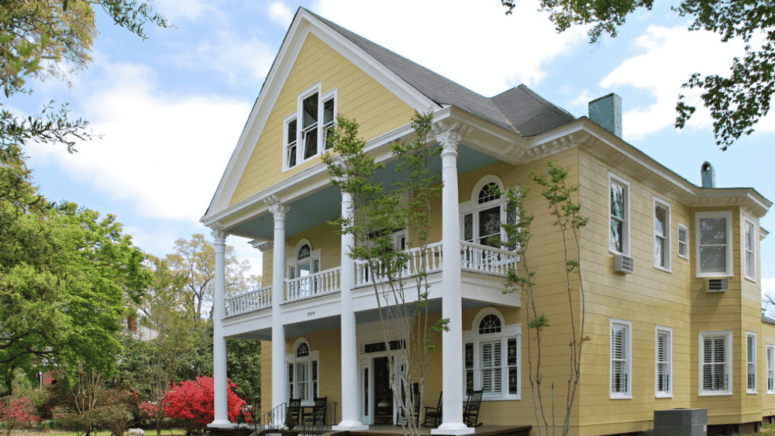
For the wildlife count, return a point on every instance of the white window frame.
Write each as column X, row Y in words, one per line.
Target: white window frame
column 473, row 208
column 749, row 263
column 665, row 238
column 685, row 243
column 293, row 263
column 299, row 116
column 507, row 332
column 770, row 353
column 314, row 356
column 627, row 325
column 698, row 240
column 614, row 179
column 728, row 372
column 750, row 360
column 666, row 332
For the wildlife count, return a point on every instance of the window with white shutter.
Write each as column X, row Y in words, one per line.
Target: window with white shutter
column 491, row 357
column 621, row 361
column 750, row 345
column 716, row 363
column 664, row 362
column 303, row 369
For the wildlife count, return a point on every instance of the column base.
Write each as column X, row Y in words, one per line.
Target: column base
column 350, row 426
column 221, row 423
column 453, row 428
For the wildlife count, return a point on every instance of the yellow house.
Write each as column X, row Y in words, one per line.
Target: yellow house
column 670, row 269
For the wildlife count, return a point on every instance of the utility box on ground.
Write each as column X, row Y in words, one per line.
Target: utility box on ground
column 681, row 422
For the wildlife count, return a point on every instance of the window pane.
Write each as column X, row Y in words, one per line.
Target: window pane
column 292, row 132
column 713, row 259
column 660, row 220
column 468, row 227
column 489, row 193
column 328, row 111
column 713, row 231
column 617, row 200
column 617, row 236
column 489, row 324
column 310, row 143
column 660, row 256
column 489, row 225
column 310, row 111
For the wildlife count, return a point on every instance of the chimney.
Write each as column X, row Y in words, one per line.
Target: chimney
column 607, row 113
column 708, row 175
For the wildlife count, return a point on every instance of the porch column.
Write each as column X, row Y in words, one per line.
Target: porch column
column 451, row 304
column 221, row 419
column 350, row 405
column 279, row 377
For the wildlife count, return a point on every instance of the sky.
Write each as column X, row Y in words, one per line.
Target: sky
column 169, row 110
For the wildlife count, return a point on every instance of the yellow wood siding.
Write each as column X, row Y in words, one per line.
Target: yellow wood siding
column 359, row 97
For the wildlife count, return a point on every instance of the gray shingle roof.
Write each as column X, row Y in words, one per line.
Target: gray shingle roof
column 517, row 109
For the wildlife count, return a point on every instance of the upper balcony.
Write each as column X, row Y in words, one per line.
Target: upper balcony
column 492, row 264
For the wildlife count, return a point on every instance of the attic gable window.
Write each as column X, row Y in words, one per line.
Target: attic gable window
column 306, row 132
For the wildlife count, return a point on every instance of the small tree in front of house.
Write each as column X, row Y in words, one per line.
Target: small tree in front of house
column 386, row 257
column 569, row 222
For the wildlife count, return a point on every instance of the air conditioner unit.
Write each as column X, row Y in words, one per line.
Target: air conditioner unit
column 623, row 264
column 718, row 285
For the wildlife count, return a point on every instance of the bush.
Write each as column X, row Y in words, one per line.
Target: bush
column 192, row 401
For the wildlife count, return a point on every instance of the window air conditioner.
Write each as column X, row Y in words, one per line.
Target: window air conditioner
column 718, row 285
column 623, row 264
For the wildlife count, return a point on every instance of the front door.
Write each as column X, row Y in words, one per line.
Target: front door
column 383, row 393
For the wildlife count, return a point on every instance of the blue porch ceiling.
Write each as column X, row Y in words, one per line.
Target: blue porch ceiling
column 325, row 205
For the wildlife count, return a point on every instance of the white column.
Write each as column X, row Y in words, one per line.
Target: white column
column 279, row 377
column 350, row 405
column 451, row 303
column 220, row 415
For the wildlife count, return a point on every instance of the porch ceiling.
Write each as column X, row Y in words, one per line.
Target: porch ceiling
column 325, row 205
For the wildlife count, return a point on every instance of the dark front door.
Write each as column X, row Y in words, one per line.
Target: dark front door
column 383, row 394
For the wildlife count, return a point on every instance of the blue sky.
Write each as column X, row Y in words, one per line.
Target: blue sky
column 170, row 109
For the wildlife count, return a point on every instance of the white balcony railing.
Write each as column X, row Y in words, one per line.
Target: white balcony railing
column 314, row 284
column 484, row 259
column 249, row 301
column 430, row 257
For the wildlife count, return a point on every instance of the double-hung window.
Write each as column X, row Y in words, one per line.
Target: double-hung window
column 683, row 241
column 303, row 372
column 714, row 244
column 482, row 225
column 491, row 356
column 661, row 235
column 306, row 132
column 749, row 248
column 750, row 354
column 716, row 363
column 621, row 359
column 305, row 262
column 771, row 369
column 664, row 361
column 619, row 213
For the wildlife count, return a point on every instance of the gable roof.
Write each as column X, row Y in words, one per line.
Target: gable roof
column 518, row 109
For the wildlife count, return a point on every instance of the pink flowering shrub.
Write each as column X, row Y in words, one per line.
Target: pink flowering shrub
column 192, row 401
column 17, row 412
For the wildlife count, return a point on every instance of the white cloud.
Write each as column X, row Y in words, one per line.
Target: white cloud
column 470, row 42
column 280, row 13
column 583, row 99
column 162, row 153
column 176, row 10
column 230, row 57
column 670, row 56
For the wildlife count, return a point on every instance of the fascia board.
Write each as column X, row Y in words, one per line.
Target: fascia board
column 303, row 24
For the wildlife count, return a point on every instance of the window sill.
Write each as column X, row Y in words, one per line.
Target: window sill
column 668, row 396
column 751, row 392
column 715, row 394
column 621, row 397
column 667, row 270
column 616, row 253
column 723, row 275
column 683, row 257
column 770, row 392
column 752, row 280
column 503, row 398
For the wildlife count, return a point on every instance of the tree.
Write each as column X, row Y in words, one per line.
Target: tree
column 568, row 221
column 736, row 102
column 378, row 215
column 192, row 400
column 195, row 259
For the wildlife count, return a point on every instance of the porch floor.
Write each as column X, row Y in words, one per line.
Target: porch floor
column 484, row 430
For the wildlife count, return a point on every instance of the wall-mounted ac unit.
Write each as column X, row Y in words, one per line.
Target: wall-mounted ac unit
column 718, row 285
column 623, row 264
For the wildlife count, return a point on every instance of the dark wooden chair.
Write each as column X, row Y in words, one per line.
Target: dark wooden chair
column 433, row 414
column 318, row 414
column 294, row 410
column 471, row 411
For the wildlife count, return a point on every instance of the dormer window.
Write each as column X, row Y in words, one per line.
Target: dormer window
column 309, row 138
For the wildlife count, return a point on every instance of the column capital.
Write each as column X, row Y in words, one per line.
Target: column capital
column 219, row 235
column 448, row 140
column 277, row 207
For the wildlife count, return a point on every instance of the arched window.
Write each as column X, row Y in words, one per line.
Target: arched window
column 305, row 262
column 303, row 372
column 483, row 215
column 492, row 356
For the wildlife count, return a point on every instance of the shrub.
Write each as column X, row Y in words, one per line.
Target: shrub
column 192, row 401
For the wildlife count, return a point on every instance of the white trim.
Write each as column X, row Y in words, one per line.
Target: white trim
column 668, row 242
column 728, row 367
column 755, row 388
column 769, row 353
column 472, row 207
column 744, row 251
column 686, row 243
column 314, row 355
column 613, row 178
column 628, row 350
column 698, row 238
column 669, row 332
column 513, row 331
